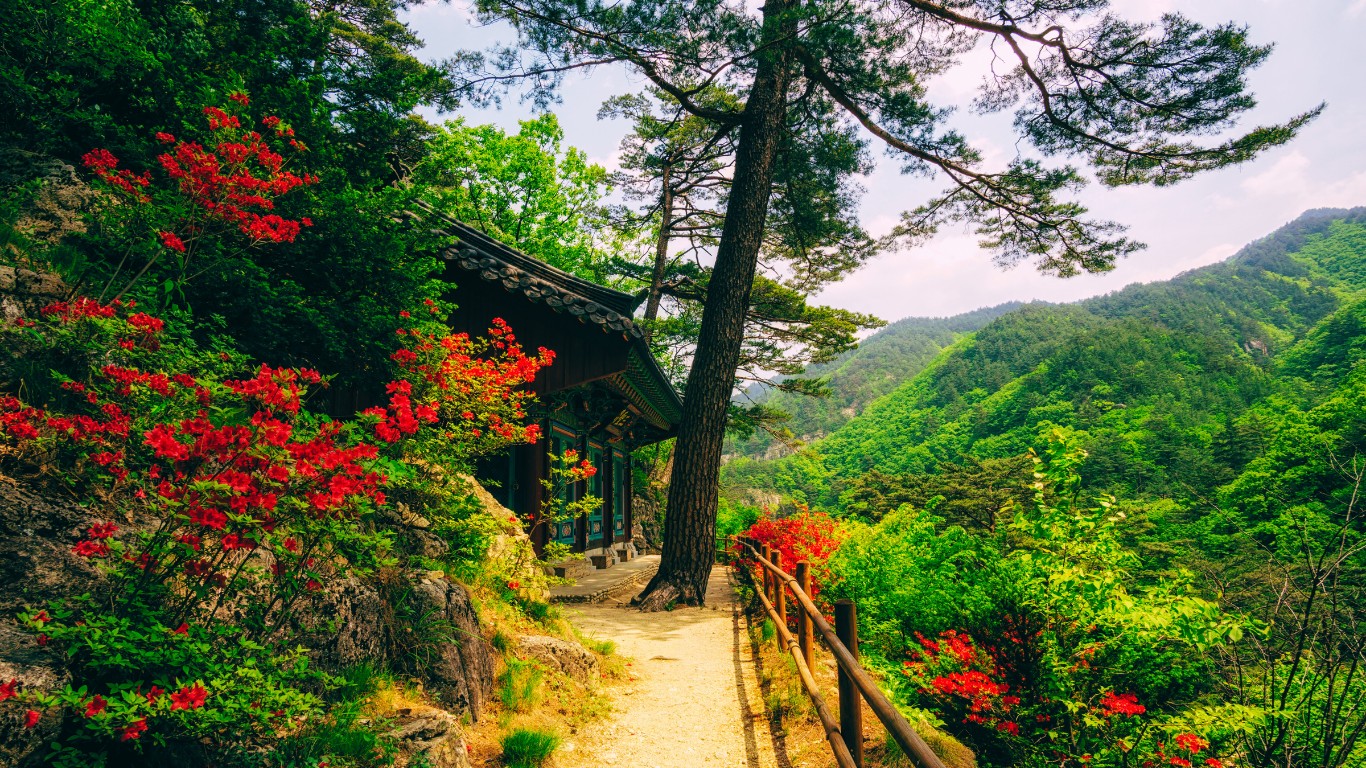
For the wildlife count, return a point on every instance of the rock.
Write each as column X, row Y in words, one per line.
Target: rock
column 423, row 623
column 431, row 737
column 568, row 658
column 59, row 205
column 511, row 552
column 459, row 670
column 37, row 568
column 36, row 670
column 23, row 292
column 348, row 626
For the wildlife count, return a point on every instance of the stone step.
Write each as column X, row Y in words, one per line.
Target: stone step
column 595, row 586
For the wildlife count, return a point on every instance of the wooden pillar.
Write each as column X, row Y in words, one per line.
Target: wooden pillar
column 804, row 627
column 609, row 534
column 851, row 709
column 779, row 592
column 628, row 479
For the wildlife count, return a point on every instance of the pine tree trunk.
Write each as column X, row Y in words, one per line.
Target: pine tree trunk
column 690, row 522
column 666, row 215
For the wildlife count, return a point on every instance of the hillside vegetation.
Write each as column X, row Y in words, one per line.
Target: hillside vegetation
column 1157, row 374
column 1122, row 532
column 880, row 364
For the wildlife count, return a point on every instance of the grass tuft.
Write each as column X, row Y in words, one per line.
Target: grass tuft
column 519, row 686
column 528, row 748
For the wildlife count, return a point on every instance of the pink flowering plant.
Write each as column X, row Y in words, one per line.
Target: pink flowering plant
column 230, row 506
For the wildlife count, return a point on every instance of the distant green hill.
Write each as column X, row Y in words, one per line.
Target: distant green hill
column 1156, row 374
column 880, row 364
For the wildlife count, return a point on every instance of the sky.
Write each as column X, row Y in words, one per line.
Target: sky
column 1320, row 56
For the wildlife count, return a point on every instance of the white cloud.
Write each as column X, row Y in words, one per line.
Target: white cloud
column 1287, row 176
column 1356, row 9
column 1290, row 178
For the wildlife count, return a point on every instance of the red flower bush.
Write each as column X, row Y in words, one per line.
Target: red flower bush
column 240, row 502
column 227, row 183
column 807, row 535
column 963, row 680
column 1124, row 704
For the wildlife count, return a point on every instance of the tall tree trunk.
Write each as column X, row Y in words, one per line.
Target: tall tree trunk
column 690, row 522
column 666, row 215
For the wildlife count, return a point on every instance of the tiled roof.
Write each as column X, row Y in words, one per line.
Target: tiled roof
column 475, row 252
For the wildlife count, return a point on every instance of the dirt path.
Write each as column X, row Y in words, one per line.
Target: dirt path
column 695, row 699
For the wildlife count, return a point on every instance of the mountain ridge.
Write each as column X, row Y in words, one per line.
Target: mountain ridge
column 1157, row 366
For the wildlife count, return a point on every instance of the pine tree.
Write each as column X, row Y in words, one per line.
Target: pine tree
column 1131, row 100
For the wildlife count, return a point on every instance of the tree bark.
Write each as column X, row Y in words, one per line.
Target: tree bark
column 666, row 214
column 690, row 521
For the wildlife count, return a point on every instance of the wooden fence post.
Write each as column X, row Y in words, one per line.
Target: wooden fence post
column 767, row 552
column 851, row 709
column 804, row 639
column 779, row 591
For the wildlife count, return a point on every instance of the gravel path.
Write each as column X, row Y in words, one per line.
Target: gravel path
column 695, row 698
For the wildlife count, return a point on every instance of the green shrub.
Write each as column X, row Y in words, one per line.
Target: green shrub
column 527, row 748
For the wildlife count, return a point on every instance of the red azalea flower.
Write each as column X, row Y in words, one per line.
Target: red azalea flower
column 31, row 719
column 7, row 691
column 91, row 548
column 172, row 240
column 103, row 530
column 1123, row 704
column 154, row 693
column 95, row 706
column 183, row 630
column 132, row 732
column 189, row 697
column 1191, row 743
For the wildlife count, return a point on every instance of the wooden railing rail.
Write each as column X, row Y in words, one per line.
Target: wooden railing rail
column 846, row 736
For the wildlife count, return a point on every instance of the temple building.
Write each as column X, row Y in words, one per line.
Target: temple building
column 604, row 395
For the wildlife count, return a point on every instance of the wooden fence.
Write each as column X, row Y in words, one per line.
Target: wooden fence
column 845, row 734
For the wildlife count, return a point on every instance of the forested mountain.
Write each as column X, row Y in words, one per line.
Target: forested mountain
column 879, row 365
column 1160, row 376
